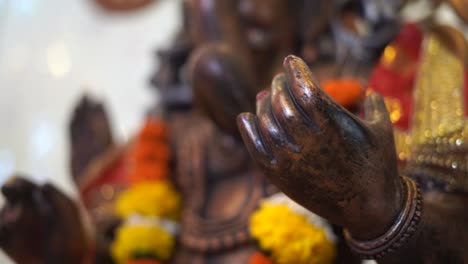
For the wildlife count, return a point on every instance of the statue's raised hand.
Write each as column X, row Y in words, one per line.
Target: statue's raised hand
column 330, row 161
column 39, row 224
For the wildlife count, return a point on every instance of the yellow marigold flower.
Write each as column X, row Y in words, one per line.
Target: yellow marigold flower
column 134, row 240
column 157, row 198
column 289, row 237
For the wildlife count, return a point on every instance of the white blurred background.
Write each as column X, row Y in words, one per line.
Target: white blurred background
column 51, row 51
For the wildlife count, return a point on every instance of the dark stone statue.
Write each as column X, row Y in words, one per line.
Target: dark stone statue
column 313, row 146
column 90, row 135
column 41, row 225
column 98, row 170
column 221, row 186
column 345, row 169
column 258, row 32
column 261, row 33
column 330, row 161
column 230, row 50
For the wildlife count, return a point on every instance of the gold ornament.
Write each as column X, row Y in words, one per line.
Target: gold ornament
column 437, row 145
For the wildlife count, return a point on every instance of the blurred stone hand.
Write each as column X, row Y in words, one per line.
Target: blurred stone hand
column 330, row 161
column 40, row 225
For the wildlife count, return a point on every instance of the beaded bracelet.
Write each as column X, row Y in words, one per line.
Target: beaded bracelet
column 403, row 228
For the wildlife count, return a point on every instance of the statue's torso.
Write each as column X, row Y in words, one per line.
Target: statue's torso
column 221, row 189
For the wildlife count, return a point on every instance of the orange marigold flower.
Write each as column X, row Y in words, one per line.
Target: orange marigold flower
column 154, row 150
column 154, row 128
column 150, row 171
column 347, row 92
column 260, row 258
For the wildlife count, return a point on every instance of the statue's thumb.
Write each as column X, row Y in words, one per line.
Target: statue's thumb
column 375, row 111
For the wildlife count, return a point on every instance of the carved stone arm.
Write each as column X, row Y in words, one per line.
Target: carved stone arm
column 442, row 236
column 322, row 156
column 344, row 169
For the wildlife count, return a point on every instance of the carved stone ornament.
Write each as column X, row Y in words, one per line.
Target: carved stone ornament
column 402, row 229
column 123, row 5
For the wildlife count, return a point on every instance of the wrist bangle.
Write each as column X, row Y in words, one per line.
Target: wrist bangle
column 399, row 233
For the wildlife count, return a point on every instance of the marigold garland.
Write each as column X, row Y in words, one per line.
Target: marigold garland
column 151, row 199
column 260, row 258
column 149, row 151
column 154, row 128
column 289, row 236
column 158, row 198
column 149, row 155
column 155, row 171
column 132, row 241
column 347, row 92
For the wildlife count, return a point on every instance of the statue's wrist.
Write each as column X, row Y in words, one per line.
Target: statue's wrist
column 394, row 235
column 377, row 210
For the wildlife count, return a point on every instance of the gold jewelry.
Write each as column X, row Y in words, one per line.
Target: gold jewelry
column 435, row 149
